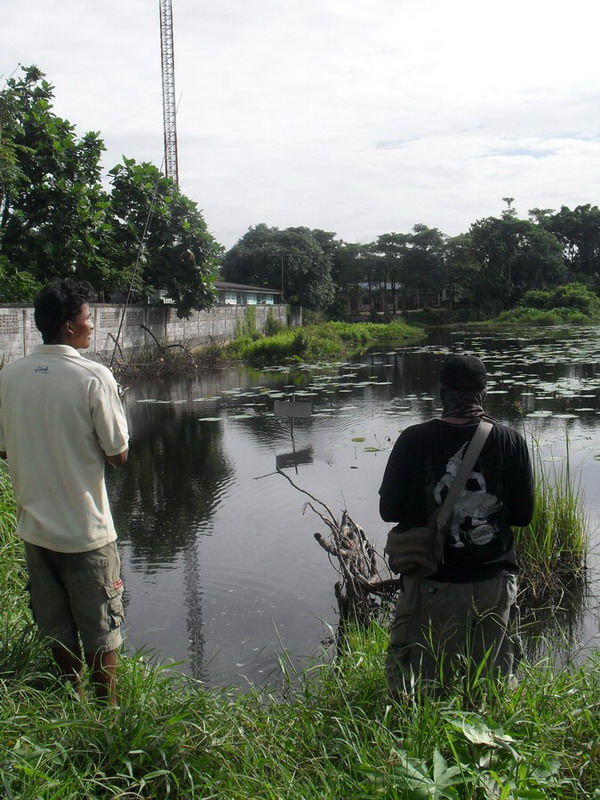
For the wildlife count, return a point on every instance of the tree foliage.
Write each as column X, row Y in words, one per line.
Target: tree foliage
column 161, row 230
column 57, row 219
column 140, row 234
column 295, row 259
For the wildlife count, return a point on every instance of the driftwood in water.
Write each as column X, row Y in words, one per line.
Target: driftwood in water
column 358, row 563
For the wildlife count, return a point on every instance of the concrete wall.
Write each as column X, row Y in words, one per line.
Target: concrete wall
column 18, row 334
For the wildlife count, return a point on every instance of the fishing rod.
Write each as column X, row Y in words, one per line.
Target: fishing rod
column 136, row 266
column 139, row 252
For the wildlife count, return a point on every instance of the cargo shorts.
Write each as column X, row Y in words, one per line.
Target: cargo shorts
column 77, row 594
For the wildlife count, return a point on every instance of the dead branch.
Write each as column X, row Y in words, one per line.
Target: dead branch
column 358, row 563
column 164, row 347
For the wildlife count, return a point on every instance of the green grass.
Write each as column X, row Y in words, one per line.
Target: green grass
column 321, row 342
column 332, row 732
column 553, row 547
column 537, row 316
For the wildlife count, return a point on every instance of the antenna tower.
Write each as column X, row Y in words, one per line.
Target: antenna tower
column 167, row 58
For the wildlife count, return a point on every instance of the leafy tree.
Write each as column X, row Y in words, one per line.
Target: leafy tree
column 462, row 270
column 159, row 229
column 349, row 267
column 578, row 231
column 52, row 204
column 56, row 218
column 292, row 258
column 425, row 259
column 515, row 255
column 392, row 249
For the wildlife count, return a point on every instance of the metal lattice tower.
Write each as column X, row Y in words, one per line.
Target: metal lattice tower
column 167, row 57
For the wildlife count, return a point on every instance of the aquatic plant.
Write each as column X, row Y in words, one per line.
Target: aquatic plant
column 318, row 342
column 553, row 547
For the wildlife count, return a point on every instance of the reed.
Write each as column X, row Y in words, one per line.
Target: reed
column 553, row 547
column 334, row 734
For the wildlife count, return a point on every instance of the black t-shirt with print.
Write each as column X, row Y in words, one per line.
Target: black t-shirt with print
column 498, row 493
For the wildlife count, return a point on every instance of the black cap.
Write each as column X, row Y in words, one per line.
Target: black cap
column 463, row 372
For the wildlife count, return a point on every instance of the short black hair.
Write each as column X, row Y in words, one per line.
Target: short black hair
column 59, row 302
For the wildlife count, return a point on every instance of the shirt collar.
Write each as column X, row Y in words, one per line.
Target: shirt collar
column 57, row 349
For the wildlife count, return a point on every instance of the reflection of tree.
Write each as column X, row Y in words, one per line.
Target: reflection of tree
column 172, row 483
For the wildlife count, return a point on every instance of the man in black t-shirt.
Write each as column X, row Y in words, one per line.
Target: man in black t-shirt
column 464, row 610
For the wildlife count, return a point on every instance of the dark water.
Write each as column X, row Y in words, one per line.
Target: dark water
column 221, row 568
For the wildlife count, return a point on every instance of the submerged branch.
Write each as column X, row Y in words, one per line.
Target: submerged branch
column 361, row 585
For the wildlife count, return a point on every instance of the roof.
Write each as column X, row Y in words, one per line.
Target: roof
column 224, row 285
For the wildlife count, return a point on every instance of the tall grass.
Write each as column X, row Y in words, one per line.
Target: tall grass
column 336, row 735
column 324, row 341
column 332, row 732
column 552, row 548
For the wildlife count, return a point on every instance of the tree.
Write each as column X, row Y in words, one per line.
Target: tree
column 515, row 255
column 292, row 258
column 52, row 204
column 462, row 270
column 159, row 229
column 348, row 271
column 425, row 260
column 578, row 231
column 56, row 218
column 392, row 249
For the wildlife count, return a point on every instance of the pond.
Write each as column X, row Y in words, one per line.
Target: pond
column 222, row 571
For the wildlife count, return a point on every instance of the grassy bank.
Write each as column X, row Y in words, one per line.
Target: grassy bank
column 326, row 341
column 336, row 735
column 332, row 733
column 329, row 340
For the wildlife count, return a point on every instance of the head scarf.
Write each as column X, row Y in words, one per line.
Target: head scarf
column 463, row 380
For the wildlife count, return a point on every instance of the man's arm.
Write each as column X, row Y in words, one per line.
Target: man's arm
column 119, row 460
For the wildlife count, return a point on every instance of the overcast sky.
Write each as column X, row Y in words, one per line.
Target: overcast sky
column 360, row 117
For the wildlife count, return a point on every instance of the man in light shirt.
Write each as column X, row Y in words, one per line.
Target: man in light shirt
column 61, row 420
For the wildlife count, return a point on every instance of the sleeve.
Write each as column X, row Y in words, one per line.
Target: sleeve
column 401, row 497
column 108, row 417
column 521, row 496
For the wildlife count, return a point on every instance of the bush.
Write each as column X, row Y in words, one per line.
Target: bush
column 572, row 296
column 273, row 326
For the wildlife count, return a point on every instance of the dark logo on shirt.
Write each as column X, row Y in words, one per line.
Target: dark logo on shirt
column 42, row 369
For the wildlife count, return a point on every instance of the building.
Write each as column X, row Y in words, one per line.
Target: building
column 239, row 294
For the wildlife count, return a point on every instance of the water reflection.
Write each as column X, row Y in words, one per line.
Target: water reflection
column 221, row 567
column 174, row 480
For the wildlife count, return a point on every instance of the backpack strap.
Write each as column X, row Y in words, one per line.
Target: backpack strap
column 466, row 465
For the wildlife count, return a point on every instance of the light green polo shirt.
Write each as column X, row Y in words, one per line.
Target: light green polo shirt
column 60, row 414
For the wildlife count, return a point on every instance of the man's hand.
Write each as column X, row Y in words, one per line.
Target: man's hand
column 119, row 460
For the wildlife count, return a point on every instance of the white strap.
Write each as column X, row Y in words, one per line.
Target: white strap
column 466, row 465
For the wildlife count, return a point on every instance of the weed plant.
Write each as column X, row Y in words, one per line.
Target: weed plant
column 552, row 548
column 537, row 316
column 320, row 342
column 332, row 732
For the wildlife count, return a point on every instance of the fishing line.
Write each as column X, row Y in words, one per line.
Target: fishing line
column 139, row 253
column 137, row 263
